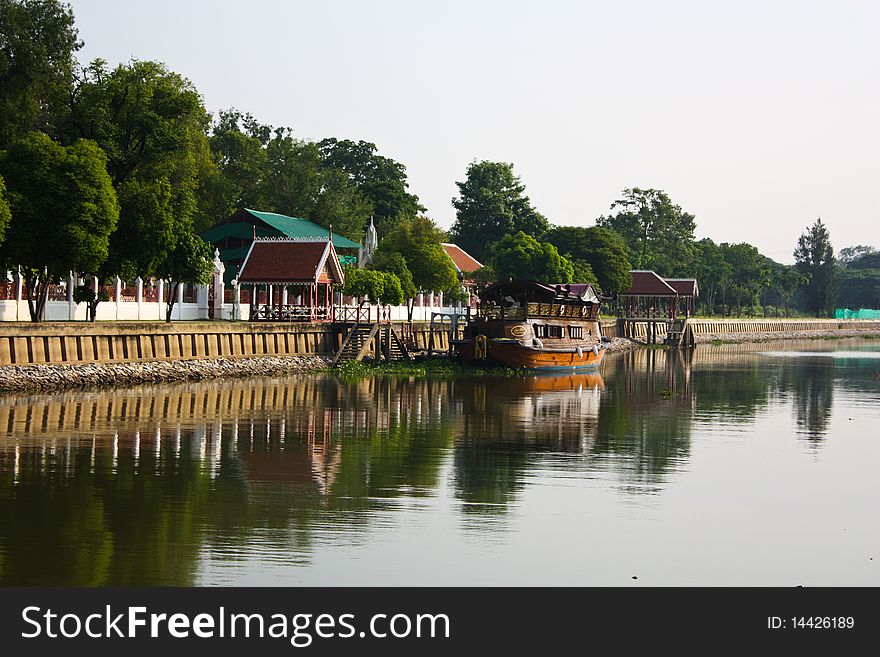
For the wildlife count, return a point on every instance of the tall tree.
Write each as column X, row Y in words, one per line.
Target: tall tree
column 814, row 258
column 38, row 40
column 187, row 262
column 602, row 248
column 418, row 242
column 63, row 211
column 265, row 167
column 712, row 271
column 492, row 203
column 749, row 275
column 658, row 233
column 152, row 124
column 522, row 256
column 379, row 179
column 851, row 253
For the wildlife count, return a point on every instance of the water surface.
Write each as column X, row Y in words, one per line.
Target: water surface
column 734, row 464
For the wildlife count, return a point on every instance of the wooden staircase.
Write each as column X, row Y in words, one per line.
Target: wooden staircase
column 679, row 333
column 360, row 339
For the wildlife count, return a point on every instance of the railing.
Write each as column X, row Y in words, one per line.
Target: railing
column 57, row 293
column 7, row 291
column 351, row 314
column 514, row 313
column 288, row 313
column 128, row 293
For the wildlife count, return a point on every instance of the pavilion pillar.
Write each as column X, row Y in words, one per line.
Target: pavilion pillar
column 284, row 296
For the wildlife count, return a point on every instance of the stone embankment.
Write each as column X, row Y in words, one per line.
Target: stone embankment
column 622, row 344
column 57, row 377
column 770, row 336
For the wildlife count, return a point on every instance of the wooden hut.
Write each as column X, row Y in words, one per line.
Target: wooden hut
column 298, row 278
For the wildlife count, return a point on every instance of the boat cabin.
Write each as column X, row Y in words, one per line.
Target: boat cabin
column 555, row 316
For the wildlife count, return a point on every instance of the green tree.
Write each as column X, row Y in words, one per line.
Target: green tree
column 151, row 123
column 582, row 272
column 379, row 179
column 658, row 233
column 5, row 212
column 522, row 256
column 852, row 253
column 187, row 262
column 418, row 241
column 379, row 286
column 814, row 258
column 63, row 211
column 858, row 288
column 492, row 203
column 38, row 40
column 394, row 263
column 749, row 275
column 602, row 248
column 784, row 283
column 712, row 272
column 265, row 167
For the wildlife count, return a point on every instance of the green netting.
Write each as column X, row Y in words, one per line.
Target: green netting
column 864, row 313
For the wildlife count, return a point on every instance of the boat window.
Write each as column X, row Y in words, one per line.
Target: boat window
column 576, row 332
column 554, row 331
column 540, row 330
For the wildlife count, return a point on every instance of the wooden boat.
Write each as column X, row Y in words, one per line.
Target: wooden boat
column 536, row 326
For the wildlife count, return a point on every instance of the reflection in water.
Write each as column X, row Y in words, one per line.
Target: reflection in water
column 146, row 486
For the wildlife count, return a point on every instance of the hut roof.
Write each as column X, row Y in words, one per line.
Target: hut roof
column 290, row 261
column 648, row 284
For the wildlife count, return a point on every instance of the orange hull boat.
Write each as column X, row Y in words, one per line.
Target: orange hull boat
column 513, row 354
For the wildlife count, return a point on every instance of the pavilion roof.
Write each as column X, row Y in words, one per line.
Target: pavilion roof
column 281, row 261
column 649, row 284
column 686, row 287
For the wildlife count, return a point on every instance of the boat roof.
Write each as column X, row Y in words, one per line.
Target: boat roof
column 537, row 291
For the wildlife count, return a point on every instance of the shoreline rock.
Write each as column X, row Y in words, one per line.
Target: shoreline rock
column 39, row 378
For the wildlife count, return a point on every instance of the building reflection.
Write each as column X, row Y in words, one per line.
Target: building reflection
column 137, row 486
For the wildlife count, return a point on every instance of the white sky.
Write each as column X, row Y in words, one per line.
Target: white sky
column 755, row 116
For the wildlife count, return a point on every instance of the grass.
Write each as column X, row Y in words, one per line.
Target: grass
column 434, row 367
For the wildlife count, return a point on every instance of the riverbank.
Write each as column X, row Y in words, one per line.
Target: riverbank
column 770, row 336
column 32, row 378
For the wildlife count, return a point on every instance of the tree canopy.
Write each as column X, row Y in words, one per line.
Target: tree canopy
column 38, row 40
column 379, row 286
column 491, row 204
column 522, row 256
column 658, row 233
column 63, row 211
column 601, row 248
column 381, row 181
column 814, row 258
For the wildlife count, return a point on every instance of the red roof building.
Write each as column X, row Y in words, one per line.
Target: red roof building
column 651, row 296
column 306, row 268
column 464, row 262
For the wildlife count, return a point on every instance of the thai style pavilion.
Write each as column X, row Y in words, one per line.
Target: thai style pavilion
column 652, row 297
column 233, row 236
column 298, row 276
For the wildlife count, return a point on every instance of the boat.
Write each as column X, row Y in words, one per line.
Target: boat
column 533, row 325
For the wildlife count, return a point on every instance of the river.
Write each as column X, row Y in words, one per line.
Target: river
column 730, row 465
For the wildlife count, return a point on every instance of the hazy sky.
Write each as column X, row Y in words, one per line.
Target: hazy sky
column 757, row 117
